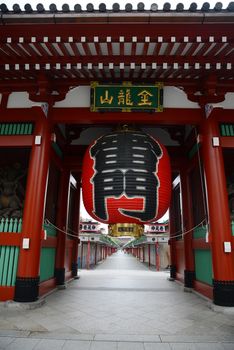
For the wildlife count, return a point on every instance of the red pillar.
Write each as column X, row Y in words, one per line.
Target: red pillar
column 81, row 256
column 63, row 203
column 157, row 257
column 187, row 222
column 143, row 254
column 172, row 243
column 95, row 256
column 219, row 215
column 27, row 280
column 149, row 254
column 76, row 227
column 88, row 256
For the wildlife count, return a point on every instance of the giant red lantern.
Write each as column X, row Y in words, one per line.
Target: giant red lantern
column 126, row 178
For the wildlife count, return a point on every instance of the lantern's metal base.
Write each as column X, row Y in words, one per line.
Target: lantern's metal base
column 123, row 230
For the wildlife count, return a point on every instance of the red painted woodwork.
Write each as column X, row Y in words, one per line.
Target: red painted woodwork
column 149, row 262
column 180, row 259
column 62, row 216
column 76, row 223
column 10, row 239
column 49, row 242
column 19, row 115
column 104, row 29
column 204, row 289
column 88, row 255
column 172, row 241
column 137, row 59
column 227, row 142
column 219, row 215
column 69, row 255
column 16, row 141
column 47, row 286
column 157, row 256
column 118, row 208
column 81, row 255
column 95, row 256
column 187, row 220
column 7, row 293
column 29, row 259
column 169, row 116
column 200, row 243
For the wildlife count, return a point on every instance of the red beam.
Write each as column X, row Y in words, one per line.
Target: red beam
column 227, row 142
column 128, row 30
column 16, row 141
column 56, row 84
column 85, row 117
column 50, row 242
column 204, row 289
column 116, row 59
column 47, row 286
column 200, row 243
column 6, row 293
column 18, row 115
column 10, row 239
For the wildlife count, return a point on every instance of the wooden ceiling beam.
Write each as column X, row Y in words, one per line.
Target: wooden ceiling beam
column 117, row 59
column 85, row 117
column 128, row 30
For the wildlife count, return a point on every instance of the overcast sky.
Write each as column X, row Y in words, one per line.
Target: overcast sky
column 109, row 3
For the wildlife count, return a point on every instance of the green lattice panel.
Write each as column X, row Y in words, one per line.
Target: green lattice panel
column 9, row 254
column 11, row 129
column 47, row 263
column 227, row 129
column 203, row 266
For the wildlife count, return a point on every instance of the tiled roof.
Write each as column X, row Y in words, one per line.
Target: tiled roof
column 102, row 8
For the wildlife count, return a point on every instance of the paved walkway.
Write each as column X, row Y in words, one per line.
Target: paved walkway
column 118, row 305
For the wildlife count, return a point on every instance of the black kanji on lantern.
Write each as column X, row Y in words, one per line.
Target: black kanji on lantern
column 125, row 163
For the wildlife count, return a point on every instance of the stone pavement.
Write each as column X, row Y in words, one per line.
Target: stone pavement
column 118, row 305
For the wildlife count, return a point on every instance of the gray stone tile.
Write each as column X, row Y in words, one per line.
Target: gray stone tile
column 228, row 346
column 76, row 345
column 61, row 335
column 49, row 344
column 100, row 345
column 189, row 339
column 213, row 346
column 130, row 346
column 184, row 346
column 14, row 333
column 120, row 301
column 127, row 338
column 157, row 346
column 4, row 341
column 22, row 343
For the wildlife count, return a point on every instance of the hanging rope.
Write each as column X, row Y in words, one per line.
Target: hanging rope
column 201, row 178
column 205, row 220
column 59, row 229
column 186, row 232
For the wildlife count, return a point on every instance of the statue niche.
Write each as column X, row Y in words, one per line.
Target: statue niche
column 12, row 190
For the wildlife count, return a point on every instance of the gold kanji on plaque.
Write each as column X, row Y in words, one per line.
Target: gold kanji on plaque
column 144, row 98
column 106, row 99
column 125, row 98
